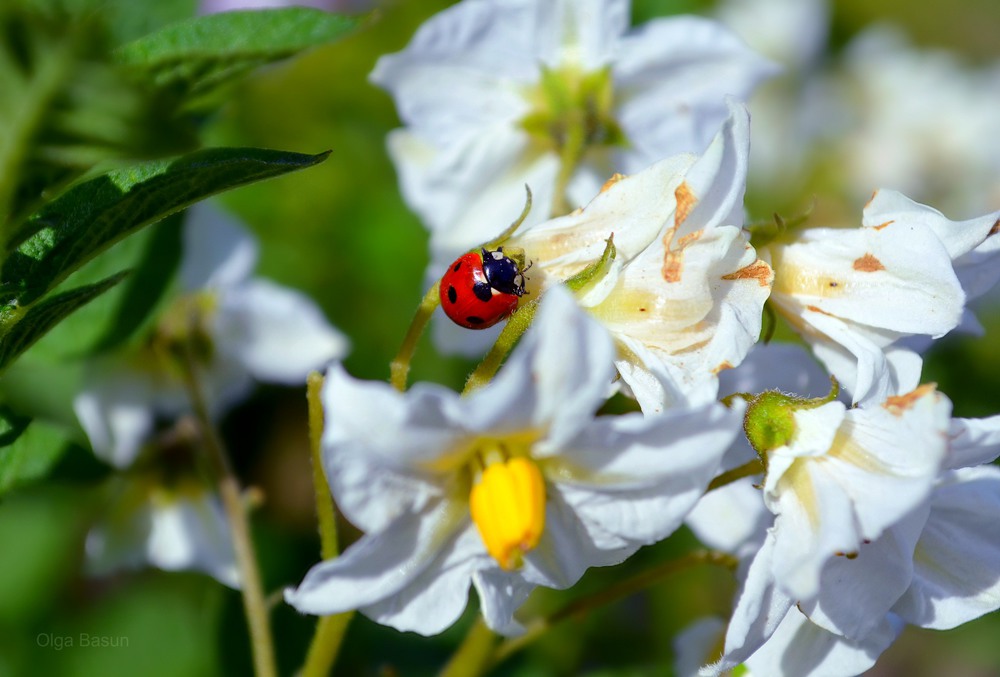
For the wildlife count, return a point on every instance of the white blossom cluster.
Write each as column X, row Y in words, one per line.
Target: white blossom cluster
column 245, row 328
column 867, row 513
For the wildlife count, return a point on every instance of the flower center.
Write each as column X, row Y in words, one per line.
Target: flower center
column 573, row 109
column 184, row 327
column 507, row 503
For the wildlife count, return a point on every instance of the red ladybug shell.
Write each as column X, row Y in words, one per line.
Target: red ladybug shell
column 467, row 297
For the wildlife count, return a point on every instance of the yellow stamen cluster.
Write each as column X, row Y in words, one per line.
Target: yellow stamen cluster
column 508, row 506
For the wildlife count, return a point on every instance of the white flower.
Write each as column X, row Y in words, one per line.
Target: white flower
column 513, row 486
column 848, row 475
column 860, row 295
column 683, row 299
column 181, row 527
column 247, row 328
column 493, row 91
column 936, row 567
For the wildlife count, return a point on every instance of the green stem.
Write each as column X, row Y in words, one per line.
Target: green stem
column 618, row 591
column 512, row 331
column 475, row 653
column 330, row 630
column 749, row 469
column 254, row 602
column 570, row 154
column 399, row 369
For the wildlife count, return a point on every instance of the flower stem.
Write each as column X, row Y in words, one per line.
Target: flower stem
column 399, row 369
column 330, row 630
column 475, row 653
column 570, row 153
column 748, row 469
column 254, row 602
column 618, row 591
column 516, row 325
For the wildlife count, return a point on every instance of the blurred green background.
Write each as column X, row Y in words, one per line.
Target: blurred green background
column 341, row 233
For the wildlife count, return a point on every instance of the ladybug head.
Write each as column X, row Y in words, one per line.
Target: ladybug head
column 503, row 273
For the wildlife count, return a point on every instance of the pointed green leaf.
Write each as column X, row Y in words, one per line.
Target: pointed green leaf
column 204, row 52
column 92, row 216
column 41, row 317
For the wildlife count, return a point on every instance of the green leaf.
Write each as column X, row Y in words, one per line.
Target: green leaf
column 92, row 216
column 27, row 452
column 41, row 317
column 201, row 53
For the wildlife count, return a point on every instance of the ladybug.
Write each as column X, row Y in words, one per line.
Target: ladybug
column 482, row 288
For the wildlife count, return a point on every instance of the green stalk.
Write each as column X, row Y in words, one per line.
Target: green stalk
column 618, row 591
column 474, row 654
column 330, row 630
column 254, row 603
column 399, row 369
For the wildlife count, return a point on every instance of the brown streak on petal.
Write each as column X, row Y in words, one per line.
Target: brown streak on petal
column 819, row 310
column 685, row 203
column 898, row 404
column 722, row 366
column 883, row 225
column 995, row 229
column 673, row 259
column 615, row 178
column 868, row 264
column 758, row 270
column 871, row 199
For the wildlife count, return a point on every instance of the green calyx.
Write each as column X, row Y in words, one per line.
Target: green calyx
column 778, row 228
column 770, row 419
column 572, row 108
column 183, row 330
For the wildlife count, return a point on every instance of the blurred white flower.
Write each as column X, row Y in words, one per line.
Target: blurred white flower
column 176, row 526
column 917, row 120
column 859, row 295
column 243, row 328
column 513, row 486
column 496, row 94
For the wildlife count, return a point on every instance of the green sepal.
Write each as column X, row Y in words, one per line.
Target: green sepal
column 596, row 271
column 770, row 419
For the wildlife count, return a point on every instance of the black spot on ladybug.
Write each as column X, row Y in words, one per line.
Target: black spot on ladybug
column 472, row 319
column 483, row 291
column 452, row 294
column 458, row 264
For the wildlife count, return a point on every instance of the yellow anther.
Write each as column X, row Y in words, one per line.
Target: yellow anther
column 508, row 507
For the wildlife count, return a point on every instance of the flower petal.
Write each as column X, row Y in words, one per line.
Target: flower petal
column 673, row 76
column 386, row 454
column 418, row 561
column 799, row 647
column 957, row 560
column 218, row 250
column 554, row 380
column 634, row 476
column 973, row 441
column 500, row 594
column 871, row 276
column 279, row 334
